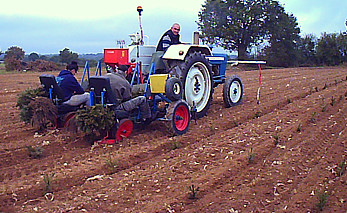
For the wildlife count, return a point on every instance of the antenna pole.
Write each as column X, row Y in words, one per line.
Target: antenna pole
column 139, row 10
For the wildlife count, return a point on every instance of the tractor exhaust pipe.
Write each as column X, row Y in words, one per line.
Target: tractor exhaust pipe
column 196, row 38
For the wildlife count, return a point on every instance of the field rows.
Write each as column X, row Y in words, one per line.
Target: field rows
column 153, row 177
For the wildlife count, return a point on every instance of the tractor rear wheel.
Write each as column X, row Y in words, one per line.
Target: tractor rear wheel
column 197, row 81
column 232, row 91
column 178, row 115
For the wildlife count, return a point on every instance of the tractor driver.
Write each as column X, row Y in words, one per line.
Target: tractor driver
column 73, row 92
column 122, row 90
column 170, row 37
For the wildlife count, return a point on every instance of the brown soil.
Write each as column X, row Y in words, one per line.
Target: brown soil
column 305, row 108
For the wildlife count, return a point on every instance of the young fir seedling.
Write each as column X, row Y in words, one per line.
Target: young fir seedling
column 340, row 98
column 322, row 199
column 251, row 156
column 111, row 164
column 333, row 101
column 313, row 117
column 175, row 145
column 48, row 179
column 35, row 152
column 193, row 191
column 325, row 86
column 276, row 139
column 298, row 129
column 341, row 168
column 257, row 114
column 324, row 108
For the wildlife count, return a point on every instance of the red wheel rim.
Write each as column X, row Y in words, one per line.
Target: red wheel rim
column 68, row 118
column 124, row 130
column 181, row 118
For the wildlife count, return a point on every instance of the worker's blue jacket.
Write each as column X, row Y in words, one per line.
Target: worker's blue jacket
column 68, row 84
column 168, row 39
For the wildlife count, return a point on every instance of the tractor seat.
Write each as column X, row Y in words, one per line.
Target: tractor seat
column 100, row 84
column 52, row 89
column 56, row 94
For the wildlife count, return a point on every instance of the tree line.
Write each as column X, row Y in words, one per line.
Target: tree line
column 264, row 26
column 258, row 29
column 16, row 60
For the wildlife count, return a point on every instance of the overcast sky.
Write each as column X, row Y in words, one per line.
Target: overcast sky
column 45, row 26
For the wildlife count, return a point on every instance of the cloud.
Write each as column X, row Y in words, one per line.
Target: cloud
column 318, row 16
column 89, row 27
column 49, row 35
column 91, row 10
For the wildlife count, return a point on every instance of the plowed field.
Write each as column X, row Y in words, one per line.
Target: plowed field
column 275, row 156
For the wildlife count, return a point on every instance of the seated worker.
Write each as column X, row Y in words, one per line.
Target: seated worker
column 73, row 92
column 170, row 37
column 122, row 90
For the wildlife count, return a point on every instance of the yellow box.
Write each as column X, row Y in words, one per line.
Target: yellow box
column 157, row 82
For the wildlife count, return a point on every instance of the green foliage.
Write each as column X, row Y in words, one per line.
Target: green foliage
column 307, row 50
column 257, row 114
column 13, row 58
column 276, row 139
column 42, row 65
column 342, row 45
column 66, row 56
column 313, row 117
column 193, row 191
column 333, row 101
column 340, row 98
column 322, row 199
column 175, row 145
column 236, row 25
column 35, row 152
column 331, row 50
column 44, row 113
column 23, row 101
column 284, row 39
column 48, row 180
column 251, row 156
column 325, row 86
column 111, row 164
column 14, row 52
column 95, row 120
column 13, row 64
column 324, row 108
column 33, row 56
column 298, row 129
column 341, row 168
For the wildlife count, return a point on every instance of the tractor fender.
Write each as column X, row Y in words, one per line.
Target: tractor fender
column 180, row 51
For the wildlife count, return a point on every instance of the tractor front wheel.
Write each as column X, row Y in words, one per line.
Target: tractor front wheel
column 173, row 89
column 178, row 116
column 232, row 91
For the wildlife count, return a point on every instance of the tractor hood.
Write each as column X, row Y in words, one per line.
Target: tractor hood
column 179, row 51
